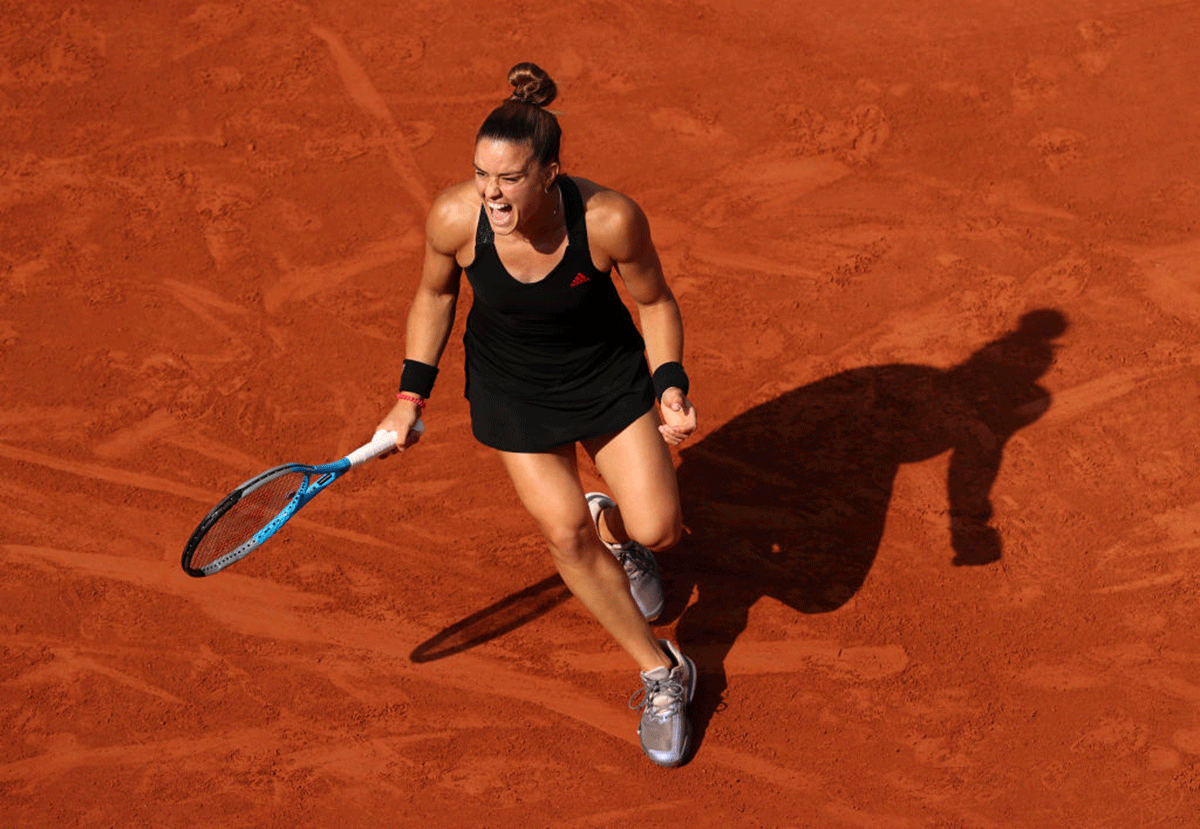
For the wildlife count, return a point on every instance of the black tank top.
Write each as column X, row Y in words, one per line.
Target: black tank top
column 558, row 338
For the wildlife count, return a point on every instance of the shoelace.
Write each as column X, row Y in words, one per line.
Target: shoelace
column 636, row 559
column 660, row 697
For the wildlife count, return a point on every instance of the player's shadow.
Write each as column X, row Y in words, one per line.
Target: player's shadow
column 788, row 499
column 494, row 620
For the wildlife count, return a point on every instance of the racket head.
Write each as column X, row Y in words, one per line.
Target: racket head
column 255, row 511
column 245, row 518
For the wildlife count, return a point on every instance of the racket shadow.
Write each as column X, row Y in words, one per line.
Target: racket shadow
column 494, row 621
column 788, row 500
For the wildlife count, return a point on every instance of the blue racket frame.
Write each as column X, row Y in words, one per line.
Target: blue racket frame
column 308, row 489
column 316, row 480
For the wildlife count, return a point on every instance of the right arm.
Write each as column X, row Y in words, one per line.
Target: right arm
column 431, row 316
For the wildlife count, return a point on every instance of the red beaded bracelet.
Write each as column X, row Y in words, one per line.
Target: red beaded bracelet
column 420, row 404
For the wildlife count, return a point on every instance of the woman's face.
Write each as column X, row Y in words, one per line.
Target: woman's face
column 512, row 183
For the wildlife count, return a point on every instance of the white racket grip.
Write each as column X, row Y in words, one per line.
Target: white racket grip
column 383, row 441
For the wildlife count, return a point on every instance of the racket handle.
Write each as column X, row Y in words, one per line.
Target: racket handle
column 383, row 441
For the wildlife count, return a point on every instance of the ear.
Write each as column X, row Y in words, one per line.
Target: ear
column 550, row 173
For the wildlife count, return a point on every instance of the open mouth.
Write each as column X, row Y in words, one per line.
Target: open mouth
column 499, row 214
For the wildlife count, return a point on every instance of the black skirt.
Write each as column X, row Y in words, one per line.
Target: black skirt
column 623, row 393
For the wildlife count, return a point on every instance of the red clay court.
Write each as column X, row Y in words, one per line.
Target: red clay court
column 937, row 262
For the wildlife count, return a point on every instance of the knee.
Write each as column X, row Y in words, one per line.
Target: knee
column 571, row 545
column 658, row 532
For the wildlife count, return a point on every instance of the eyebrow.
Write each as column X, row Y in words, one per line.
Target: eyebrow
column 519, row 172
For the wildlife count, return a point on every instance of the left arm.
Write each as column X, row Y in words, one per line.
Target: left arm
column 623, row 233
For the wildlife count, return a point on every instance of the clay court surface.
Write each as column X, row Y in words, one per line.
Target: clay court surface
column 935, row 260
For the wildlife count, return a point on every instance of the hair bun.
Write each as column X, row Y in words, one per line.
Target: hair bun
column 531, row 84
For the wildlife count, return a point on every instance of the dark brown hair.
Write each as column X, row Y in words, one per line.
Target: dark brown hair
column 523, row 117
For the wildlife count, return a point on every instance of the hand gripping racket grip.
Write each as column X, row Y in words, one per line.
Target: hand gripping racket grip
column 383, row 441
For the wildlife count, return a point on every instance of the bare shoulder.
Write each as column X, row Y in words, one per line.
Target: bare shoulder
column 450, row 224
column 604, row 204
column 615, row 222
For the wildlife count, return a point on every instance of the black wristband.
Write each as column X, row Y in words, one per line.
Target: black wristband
column 418, row 378
column 670, row 375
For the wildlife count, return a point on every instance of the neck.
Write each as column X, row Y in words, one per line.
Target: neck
column 547, row 221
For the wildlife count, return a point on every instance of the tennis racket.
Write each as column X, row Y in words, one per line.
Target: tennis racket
column 256, row 510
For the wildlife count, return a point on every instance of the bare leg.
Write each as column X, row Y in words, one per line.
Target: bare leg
column 637, row 467
column 548, row 485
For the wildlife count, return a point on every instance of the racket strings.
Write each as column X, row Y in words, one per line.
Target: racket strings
column 251, row 513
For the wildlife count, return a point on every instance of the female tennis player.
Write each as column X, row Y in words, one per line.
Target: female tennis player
column 554, row 359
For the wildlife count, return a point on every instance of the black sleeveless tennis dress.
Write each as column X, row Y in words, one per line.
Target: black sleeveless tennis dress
column 553, row 361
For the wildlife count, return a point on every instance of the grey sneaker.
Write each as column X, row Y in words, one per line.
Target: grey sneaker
column 665, row 729
column 639, row 563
